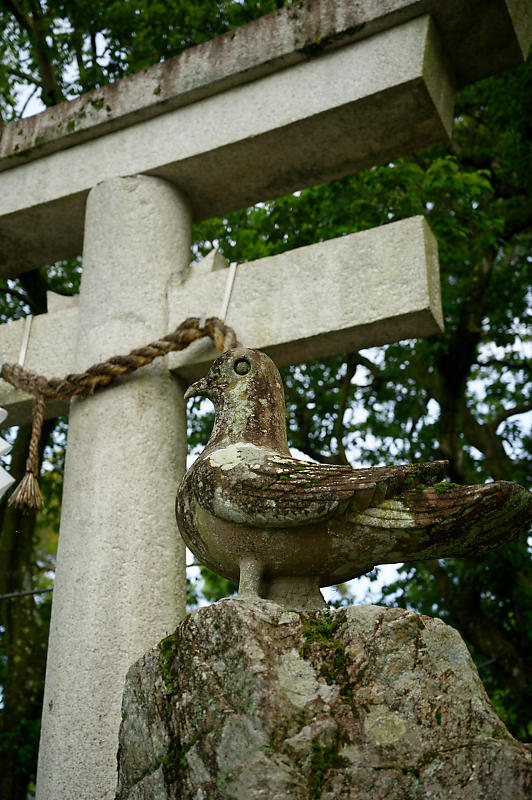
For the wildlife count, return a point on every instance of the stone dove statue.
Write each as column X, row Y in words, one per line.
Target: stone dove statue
column 283, row 527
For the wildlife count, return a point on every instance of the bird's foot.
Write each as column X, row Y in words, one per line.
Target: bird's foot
column 294, row 592
column 299, row 593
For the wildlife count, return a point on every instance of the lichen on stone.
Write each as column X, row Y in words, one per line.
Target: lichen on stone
column 248, row 701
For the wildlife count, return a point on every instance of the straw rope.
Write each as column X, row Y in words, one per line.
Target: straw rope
column 27, row 495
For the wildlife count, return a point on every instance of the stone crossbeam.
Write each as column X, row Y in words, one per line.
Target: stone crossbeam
column 357, row 291
column 480, row 39
column 51, row 350
column 364, row 103
column 304, row 95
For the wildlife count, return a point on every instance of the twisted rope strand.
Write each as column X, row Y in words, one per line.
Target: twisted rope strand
column 101, row 374
column 27, row 495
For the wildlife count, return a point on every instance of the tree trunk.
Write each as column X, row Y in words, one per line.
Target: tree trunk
column 24, row 640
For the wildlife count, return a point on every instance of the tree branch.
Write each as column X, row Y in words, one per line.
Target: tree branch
column 365, row 362
column 338, row 431
column 509, row 412
column 24, row 76
column 79, row 60
column 454, row 366
column 24, row 594
column 22, row 297
column 24, row 21
column 94, row 47
column 485, row 439
column 503, row 362
column 28, row 100
column 37, row 26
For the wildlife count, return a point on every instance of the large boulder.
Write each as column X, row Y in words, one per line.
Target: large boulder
column 253, row 702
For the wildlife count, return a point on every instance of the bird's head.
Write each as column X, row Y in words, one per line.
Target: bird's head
column 247, row 392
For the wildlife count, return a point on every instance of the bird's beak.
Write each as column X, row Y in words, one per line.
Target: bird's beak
column 198, row 389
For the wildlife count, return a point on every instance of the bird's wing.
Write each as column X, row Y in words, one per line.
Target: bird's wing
column 445, row 521
column 259, row 487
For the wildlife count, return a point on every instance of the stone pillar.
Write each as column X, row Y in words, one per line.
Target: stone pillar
column 120, row 581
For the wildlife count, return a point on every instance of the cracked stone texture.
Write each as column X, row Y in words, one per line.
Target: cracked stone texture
column 250, row 701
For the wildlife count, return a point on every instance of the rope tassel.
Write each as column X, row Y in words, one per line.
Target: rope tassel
column 27, row 496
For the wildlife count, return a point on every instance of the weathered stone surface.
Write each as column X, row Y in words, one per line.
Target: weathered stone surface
column 381, row 285
column 390, row 276
column 325, row 117
column 120, row 582
column 394, row 98
column 247, row 701
column 271, row 43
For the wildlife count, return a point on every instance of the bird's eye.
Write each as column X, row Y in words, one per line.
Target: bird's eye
column 241, row 366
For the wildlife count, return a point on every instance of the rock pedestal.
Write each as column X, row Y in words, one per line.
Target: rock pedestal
column 249, row 701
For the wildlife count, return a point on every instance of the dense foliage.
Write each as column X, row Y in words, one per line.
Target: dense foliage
column 462, row 395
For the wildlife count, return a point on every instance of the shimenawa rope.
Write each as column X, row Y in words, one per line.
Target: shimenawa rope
column 27, row 494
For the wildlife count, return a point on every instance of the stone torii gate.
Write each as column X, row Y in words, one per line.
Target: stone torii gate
column 304, row 95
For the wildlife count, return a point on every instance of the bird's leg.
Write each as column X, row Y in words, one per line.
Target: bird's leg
column 250, row 577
